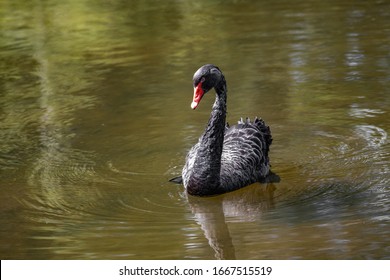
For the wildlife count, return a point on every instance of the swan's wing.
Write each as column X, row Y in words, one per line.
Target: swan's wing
column 245, row 153
column 189, row 164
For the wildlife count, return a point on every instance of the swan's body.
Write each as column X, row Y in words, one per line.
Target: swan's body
column 225, row 158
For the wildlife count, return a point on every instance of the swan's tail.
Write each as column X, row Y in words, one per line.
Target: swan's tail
column 260, row 125
column 271, row 178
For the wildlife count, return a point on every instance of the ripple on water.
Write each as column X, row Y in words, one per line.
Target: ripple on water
column 346, row 176
column 375, row 136
column 78, row 187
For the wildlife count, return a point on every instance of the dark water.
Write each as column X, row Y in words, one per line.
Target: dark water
column 95, row 118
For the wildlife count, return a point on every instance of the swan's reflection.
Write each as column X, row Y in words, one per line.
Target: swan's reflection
column 244, row 205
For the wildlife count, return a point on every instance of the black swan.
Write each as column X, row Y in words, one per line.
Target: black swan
column 226, row 157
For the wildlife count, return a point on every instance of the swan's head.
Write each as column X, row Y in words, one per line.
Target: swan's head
column 205, row 78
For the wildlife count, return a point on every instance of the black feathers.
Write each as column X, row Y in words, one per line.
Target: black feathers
column 226, row 157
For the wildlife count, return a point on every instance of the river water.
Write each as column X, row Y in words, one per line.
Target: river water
column 95, row 119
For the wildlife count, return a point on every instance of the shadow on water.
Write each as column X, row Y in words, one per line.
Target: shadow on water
column 214, row 213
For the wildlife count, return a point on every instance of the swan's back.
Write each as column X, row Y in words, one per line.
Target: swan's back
column 244, row 157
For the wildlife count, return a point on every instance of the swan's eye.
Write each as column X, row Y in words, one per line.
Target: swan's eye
column 201, row 81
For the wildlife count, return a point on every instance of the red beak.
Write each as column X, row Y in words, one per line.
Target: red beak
column 198, row 94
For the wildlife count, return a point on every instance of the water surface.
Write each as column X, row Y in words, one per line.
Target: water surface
column 95, row 119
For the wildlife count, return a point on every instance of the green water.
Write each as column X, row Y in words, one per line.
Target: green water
column 95, row 119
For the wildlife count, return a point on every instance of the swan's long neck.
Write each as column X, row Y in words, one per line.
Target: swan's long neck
column 207, row 165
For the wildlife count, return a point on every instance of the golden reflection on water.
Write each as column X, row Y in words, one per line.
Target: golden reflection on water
column 95, row 120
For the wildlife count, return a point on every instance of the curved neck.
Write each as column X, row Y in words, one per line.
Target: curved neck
column 210, row 143
column 215, row 129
